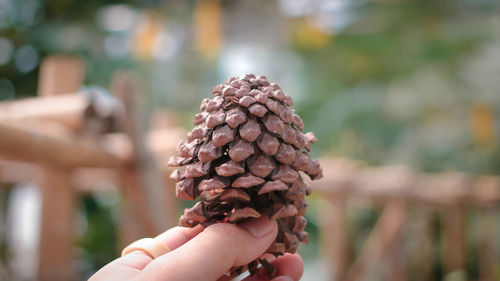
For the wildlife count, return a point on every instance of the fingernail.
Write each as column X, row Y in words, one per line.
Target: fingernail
column 282, row 278
column 259, row 227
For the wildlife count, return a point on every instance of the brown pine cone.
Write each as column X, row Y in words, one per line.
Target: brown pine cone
column 243, row 160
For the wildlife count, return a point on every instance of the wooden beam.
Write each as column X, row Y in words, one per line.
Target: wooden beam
column 54, row 148
column 379, row 185
column 94, row 179
column 161, row 142
column 339, row 176
column 486, row 191
column 12, row 172
column 67, row 109
column 445, row 189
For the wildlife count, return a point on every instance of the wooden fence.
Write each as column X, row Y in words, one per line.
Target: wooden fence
column 397, row 190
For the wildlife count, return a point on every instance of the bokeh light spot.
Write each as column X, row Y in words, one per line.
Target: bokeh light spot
column 6, row 49
column 168, row 42
column 116, row 17
column 30, row 12
column 26, row 59
column 7, row 16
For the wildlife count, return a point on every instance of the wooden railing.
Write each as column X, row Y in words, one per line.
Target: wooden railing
column 397, row 191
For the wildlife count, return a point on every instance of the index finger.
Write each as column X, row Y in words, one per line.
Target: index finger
column 173, row 238
column 130, row 265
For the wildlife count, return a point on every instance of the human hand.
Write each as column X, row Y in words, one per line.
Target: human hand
column 205, row 254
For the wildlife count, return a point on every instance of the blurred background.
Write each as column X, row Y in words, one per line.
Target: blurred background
column 402, row 95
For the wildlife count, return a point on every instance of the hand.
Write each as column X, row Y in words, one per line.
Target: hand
column 205, row 254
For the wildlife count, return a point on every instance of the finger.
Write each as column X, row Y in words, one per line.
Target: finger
column 288, row 265
column 173, row 238
column 214, row 251
column 131, row 264
column 177, row 236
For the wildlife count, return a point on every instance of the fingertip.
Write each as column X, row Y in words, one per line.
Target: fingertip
column 246, row 241
column 178, row 235
column 289, row 265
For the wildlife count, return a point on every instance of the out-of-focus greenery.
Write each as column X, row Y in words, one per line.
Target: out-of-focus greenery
column 405, row 91
column 99, row 240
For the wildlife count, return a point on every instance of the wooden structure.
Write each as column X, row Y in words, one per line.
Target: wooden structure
column 42, row 140
column 397, row 191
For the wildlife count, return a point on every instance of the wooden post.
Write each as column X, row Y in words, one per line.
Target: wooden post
column 334, row 234
column 456, row 187
column 335, row 188
column 487, row 188
column 396, row 255
column 57, row 228
column 145, row 192
column 130, row 224
column 137, row 220
column 58, row 75
column 421, row 257
column 488, row 247
column 382, row 238
column 453, row 252
column 172, row 204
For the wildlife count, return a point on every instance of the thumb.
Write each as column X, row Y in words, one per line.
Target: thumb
column 214, row 251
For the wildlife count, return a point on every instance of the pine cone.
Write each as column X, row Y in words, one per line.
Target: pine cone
column 243, row 160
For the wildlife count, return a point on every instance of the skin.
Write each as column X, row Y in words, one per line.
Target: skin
column 206, row 254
